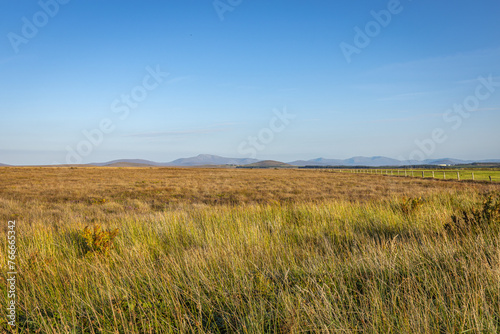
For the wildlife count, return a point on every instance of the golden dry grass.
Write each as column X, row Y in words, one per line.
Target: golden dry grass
column 250, row 251
column 163, row 186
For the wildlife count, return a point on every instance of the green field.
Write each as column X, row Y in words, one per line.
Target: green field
column 448, row 174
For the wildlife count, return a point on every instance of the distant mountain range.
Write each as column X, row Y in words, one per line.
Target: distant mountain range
column 207, row 159
column 354, row 161
column 215, row 160
column 199, row 160
column 211, row 160
column 378, row 161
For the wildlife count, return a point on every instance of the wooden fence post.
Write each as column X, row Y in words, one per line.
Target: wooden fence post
column 458, row 176
column 444, row 175
column 432, row 174
column 422, row 174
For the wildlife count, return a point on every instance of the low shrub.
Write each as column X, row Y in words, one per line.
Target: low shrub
column 410, row 205
column 97, row 240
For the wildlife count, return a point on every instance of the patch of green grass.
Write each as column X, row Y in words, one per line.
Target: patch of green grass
column 442, row 174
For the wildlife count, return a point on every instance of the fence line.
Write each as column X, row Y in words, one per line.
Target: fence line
column 461, row 176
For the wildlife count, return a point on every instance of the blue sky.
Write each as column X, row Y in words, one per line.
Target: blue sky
column 233, row 65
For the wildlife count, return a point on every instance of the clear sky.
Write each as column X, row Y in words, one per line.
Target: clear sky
column 94, row 81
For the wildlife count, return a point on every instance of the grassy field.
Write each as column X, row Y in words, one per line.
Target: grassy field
column 250, row 251
column 442, row 174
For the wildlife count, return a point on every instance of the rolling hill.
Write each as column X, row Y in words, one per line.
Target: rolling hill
column 267, row 164
column 208, row 159
column 131, row 162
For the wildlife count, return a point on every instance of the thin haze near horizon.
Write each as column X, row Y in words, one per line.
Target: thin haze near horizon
column 160, row 80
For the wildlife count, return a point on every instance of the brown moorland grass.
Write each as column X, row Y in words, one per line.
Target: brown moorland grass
column 163, row 186
column 250, row 251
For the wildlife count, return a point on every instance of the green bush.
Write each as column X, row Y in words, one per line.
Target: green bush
column 410, row 205
column 97, row 240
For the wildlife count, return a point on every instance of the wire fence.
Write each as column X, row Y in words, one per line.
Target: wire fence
column 462, row 175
